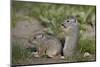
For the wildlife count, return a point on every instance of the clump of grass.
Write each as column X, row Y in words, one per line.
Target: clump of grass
column 87, row 45
column 19, row 54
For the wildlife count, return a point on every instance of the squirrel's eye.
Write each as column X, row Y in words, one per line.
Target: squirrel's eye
column 67, row 20
column 34, row 38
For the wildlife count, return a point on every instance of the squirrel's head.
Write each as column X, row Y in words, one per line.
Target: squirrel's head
column 68, row 22
column 37, row 38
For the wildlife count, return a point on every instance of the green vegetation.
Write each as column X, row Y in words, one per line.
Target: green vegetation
column 19, row 54
column 87, row 45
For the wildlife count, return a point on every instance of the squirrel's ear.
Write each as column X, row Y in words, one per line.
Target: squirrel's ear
column 40, row 35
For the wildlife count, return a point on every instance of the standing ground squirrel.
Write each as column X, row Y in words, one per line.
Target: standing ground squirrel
column 71, row 31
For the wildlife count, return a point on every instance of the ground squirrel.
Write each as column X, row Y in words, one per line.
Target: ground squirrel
column 71, row 31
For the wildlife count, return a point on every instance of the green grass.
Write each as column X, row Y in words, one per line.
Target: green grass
column 87, row 45
column 19, row 54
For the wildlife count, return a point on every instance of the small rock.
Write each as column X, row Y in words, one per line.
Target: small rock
column 87, row 54
column 62, row 57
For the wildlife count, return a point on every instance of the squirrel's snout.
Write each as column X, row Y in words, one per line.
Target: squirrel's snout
column 62, row 24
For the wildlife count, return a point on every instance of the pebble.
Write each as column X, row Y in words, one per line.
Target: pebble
column 87, row 54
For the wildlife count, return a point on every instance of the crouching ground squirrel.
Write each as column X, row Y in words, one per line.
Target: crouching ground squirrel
column 46, row 45
column 71, row 32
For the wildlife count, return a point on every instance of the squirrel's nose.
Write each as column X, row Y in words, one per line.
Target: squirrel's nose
column 62, row 24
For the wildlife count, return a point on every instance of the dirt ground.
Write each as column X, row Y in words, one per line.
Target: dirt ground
column 39, row 61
